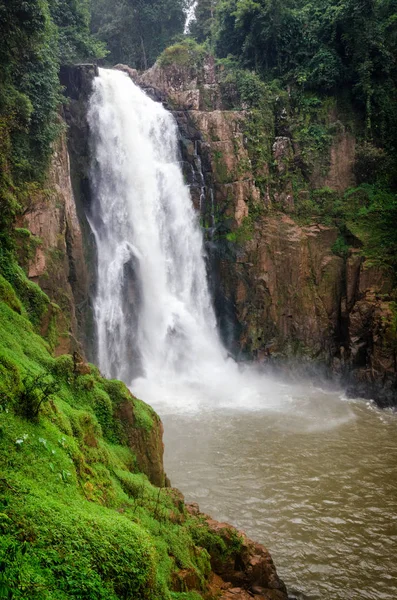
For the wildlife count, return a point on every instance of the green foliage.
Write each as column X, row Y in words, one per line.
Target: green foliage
column 8, row 295
column 340, row 247
column 184, row 54
column 320, row 46
column 10, row 381
column 220, row 546
column 202, row 26
column 243, row 233
column 371, row 212
column 137, row 31
column 252, row 92
column 76, row 44
column 372, row 164
column 35, row 37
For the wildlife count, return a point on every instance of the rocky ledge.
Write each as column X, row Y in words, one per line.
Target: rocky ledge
column 244, row 571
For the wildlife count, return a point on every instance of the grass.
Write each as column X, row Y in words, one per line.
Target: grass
column 78, row 518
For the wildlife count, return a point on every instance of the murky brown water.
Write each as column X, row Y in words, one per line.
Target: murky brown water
column 315, row 481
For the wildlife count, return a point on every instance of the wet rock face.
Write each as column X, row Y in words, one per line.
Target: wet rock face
column 372, row 349
column 56, row 260
column 77, row 81
column 290, row 294
column 279, row 288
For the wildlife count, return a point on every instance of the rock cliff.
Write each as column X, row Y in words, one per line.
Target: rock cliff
column 285, row 284
column 50, row 248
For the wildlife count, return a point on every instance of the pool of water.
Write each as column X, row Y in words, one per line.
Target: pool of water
column 311, row 475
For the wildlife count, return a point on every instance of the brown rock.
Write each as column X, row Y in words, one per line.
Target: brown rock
column 247, row 565
column 193, row 508
column 58, row 263
column 185, row 580
column 283, row 153
column 147, row 445
column 132, row 73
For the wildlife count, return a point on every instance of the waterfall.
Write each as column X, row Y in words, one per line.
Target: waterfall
column 153, row 309
column 156, row 327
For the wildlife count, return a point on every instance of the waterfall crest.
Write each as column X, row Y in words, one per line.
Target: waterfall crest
column 152, row 307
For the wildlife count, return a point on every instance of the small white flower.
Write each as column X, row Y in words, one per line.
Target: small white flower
column 21, row 439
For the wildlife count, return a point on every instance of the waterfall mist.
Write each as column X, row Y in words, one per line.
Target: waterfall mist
column 156, row 327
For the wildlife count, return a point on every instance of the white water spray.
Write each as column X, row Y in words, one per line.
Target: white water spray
column 156, row 326
column 145, row 225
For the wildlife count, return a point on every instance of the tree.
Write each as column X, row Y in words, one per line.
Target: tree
column 201, row 28
column 72, row 18
column 137, row 31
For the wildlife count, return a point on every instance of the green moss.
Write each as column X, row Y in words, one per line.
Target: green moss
column 27, row 245
column 221, row 172
column 220, row 545
column 63, row 366
column 10, row 381
column 118, row 392
column 78, row 520
column 8, row 295
column 340, row 247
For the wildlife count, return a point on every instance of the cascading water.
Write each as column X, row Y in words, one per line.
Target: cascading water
column 283, row 461
column 156, row 326
column 145, row 225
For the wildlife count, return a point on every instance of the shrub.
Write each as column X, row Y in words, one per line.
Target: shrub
column 64, row 366
column 36, row 389
column 340, row 247
column 103, row 409
column 371, row 164
column 184, row 54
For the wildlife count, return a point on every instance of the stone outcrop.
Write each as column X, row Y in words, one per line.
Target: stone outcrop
column 244, row 569
column 147, row 444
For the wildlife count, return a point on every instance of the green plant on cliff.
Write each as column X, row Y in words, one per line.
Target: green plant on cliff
column 186, row 53
column 371, row 213
column 320, row 46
